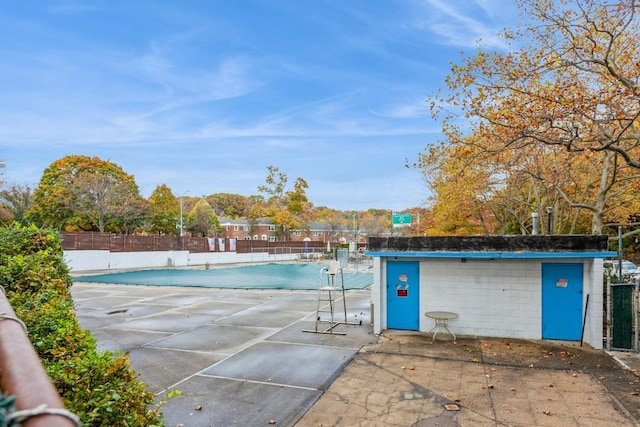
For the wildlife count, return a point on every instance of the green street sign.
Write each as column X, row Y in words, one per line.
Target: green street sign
column 401, row 220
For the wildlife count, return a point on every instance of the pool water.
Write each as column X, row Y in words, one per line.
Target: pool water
column 259, row 276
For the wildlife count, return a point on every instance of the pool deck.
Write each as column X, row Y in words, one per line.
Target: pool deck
column 238, row 357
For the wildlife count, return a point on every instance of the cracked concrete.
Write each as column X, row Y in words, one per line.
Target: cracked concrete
column 474, row 382
column 240, row 357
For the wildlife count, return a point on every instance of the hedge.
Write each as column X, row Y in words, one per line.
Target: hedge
column 98, row 386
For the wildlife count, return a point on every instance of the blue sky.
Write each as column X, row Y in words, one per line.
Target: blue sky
column 203, row 95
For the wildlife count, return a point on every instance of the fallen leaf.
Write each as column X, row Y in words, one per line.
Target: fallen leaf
column 198, row 408
column 546, row 412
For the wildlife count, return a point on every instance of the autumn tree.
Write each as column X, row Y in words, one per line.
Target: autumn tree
column 570, row 79
column 202, row 220
column 275, row 184
column 289, row 210
column 85, row 192
column 460, row 188
column 15, row 201
column 164, row 211
column 233, row 206
column 375, row 222
column 568, row 82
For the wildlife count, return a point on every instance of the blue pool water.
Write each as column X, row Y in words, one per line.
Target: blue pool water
column 260, row 276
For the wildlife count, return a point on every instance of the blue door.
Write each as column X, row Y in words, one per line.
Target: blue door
column 403, row 288
column 562, row 301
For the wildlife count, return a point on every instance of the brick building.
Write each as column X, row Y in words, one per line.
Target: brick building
column 265, row 229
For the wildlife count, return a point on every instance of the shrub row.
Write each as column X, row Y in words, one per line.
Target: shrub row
column 98, row 386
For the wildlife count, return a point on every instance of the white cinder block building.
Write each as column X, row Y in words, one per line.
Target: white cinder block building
column 530, row 287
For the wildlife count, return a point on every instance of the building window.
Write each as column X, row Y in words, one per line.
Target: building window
column 297, row 233
column 273, row 239
column 317, row 233
column 272, row 228
column 235, row 228
column 255, row 237
column 246, row 228
column 264, row 237
column 228, row 227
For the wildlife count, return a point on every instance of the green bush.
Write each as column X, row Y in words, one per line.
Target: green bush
column 98, row 386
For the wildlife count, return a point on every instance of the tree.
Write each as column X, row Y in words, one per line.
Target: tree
column 375, row 221
column 289, row 210
column 573, row 83
column 460, row 186
column 2, row 165
column 571, row 86
column 276, row 182
column 202, row 219
column 84, row 192
column 233, row 206
column 131, row 215
column 164, row 210
column 16, row 201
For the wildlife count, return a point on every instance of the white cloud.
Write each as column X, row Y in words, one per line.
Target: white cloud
column 464, row 23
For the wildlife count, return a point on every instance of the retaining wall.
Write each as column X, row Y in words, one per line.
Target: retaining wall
column 102, row 260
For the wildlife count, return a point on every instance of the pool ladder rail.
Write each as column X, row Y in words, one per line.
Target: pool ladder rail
column 330, row 289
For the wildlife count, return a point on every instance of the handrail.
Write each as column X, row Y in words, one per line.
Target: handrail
column 22, row 375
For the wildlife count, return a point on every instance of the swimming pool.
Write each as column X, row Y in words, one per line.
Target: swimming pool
column 258, row 276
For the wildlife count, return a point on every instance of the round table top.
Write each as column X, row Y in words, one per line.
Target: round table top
column 441, row 314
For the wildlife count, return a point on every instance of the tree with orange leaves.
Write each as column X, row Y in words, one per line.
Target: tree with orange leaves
column 567, row 90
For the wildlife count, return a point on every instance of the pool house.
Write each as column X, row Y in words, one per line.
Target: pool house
column 529, row 287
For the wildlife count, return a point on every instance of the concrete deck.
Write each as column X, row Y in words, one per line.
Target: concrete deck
column 238, row 357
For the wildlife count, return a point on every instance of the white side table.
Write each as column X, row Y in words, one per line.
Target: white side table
column 442, row 322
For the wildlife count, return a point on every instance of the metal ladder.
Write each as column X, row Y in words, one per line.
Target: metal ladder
column 331, row 287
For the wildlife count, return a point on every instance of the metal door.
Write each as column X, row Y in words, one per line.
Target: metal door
column 622, row 316
column 403, row 289
column 562, row 301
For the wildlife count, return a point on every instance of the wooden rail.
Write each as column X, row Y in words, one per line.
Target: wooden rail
column 22, row 375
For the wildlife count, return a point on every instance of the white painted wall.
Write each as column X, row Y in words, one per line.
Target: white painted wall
column 494, row 298
column 85, row 261
column 593, row 281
